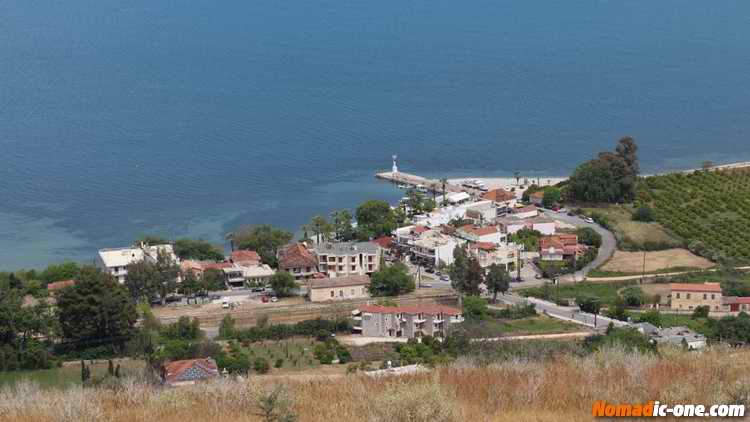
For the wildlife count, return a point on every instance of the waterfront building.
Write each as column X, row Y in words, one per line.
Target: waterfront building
column 116, row 260
column 338, row 259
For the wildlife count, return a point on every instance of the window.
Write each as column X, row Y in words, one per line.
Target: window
column 341, row 268
column 354, row 259
column 352, row 292
column 341, row 293
column 354, row 268
column 705, row 296
column 369, row 258
column 332, row 293
column 688, row 297
column 678, row 295
column 341, row 259
column 713, row 296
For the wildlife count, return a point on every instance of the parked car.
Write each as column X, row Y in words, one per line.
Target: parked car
column 588, row 220
column 225, row 304
column 264, row 299
column 445, row 277
column 425, row 285
column 562, row 210
column 538, row 276
column 429, row 270
column 258, row 289
column 274, row 299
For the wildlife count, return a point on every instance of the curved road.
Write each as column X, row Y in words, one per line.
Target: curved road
column 605, row 250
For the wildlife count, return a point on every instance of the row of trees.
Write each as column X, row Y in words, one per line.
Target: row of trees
column 467, row 275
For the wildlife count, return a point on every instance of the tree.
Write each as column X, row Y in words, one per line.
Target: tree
column 474, row 277
column 608, row 178
column 459, row 269
column 618, row 311
column 97, row 309
column 497, row 280
column 653, row 317
column 701, row 312
column 197, row 249
column 190, row 284
column 276, row 406
column 320, row 228
column 264, row 239
column 644, row 213
column 145, row 279
column 213, row 280
column 475, row 308
column 527, row 237
column 589, row 236
column 391, row 280
column 552, row 197
column 342, row 225
column 261, row 365
column 590, row 304
column 282, row 283
column 226, row 327
column 375, row 218
column 59, row 272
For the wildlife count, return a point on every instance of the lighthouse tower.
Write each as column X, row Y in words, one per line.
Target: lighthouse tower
column 395, row 167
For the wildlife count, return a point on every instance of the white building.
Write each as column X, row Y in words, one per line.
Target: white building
column 489, row 234
column 257, row 275
column 511, row 225
column 338, row 259
column 116, row 260
column 434, row 248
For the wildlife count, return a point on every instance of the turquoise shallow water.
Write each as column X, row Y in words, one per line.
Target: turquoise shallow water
column 193, row 117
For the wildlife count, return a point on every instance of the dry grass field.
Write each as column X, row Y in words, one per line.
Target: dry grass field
column 633, row 233
column 562, row 389
column 632, row 262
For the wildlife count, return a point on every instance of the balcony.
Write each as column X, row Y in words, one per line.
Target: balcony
column 357, row 318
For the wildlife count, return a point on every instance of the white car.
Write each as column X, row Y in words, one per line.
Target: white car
column 588, row 220
column 274, row 299
column 225, row 304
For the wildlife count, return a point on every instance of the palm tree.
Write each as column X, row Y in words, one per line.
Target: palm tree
column 444, row 181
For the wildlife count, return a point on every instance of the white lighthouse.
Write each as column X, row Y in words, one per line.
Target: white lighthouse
column 395, row 167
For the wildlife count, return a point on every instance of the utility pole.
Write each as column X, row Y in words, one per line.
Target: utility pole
column 643, row 274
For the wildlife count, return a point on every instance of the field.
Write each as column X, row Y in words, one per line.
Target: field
column 708, row 210
column 634, row 235
column 69, row 375
column 562, row 388
column 626, row 263
column 518, row 327
column 297, row 354
column 607, row 292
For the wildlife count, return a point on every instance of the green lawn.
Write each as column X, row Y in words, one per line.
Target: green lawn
column 518, row 327
column 607, row 292
column 66, row 376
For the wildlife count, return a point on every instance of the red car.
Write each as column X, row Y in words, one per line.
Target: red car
column 264, row 299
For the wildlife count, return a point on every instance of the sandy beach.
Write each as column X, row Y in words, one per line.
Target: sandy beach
column 510, row 182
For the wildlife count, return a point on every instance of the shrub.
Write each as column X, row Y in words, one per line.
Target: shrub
column 701, row 312
column 475, row 308
column 633, row 296
column 279, row 363
column 260, row 365
column 644, row 213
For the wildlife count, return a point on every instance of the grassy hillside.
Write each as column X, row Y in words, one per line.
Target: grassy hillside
column 560, row 388
column 708, row 210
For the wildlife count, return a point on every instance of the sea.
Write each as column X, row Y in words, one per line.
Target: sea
column 192, row 118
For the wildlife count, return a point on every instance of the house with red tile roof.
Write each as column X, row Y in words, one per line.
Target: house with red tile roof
column 245, row 258
column 405, row 321
column 474, row 233
column 56, row 286
column 504, row 200
column 190, row 371
column 525, row 212
column 688, row 296
column 298, row 260
column 559, row 247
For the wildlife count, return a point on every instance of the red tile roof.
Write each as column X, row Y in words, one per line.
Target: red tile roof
column 742, row 300
column 479, row 231
column 418, row 309
column 245, row 257
column 420, row 229
column 216, row 265
column 499, row 195
column 691, row 287
column 486, row 246
column 296, row 256
column 57, row 285
column 384, row 242
column 179, row 370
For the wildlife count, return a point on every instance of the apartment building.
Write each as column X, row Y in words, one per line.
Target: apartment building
column 116, row 260
column 434, row 248
column 347, row 258
column 405, row 321
column 688, row 296
column 507, row 255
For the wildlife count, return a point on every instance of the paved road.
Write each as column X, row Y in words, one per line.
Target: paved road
column 605, row 250
column 566, row 313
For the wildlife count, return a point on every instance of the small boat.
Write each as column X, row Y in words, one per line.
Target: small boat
column 421, row 188
column 400, row 186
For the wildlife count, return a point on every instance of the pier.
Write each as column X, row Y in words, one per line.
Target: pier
column 413, row 180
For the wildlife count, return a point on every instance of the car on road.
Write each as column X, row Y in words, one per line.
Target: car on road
column 274, row 299
column 445, row 277
column 538, row 276
column 225, row 304
column 562, row 210
column 425, row 285
column 258, row 289
column 588, row 220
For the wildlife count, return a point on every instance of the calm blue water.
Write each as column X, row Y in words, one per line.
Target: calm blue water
column 194, row 117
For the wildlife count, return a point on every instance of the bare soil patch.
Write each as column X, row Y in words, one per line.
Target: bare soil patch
column 632, row 262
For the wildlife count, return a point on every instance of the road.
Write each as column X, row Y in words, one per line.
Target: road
column 566, row 313
column 606, row 250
